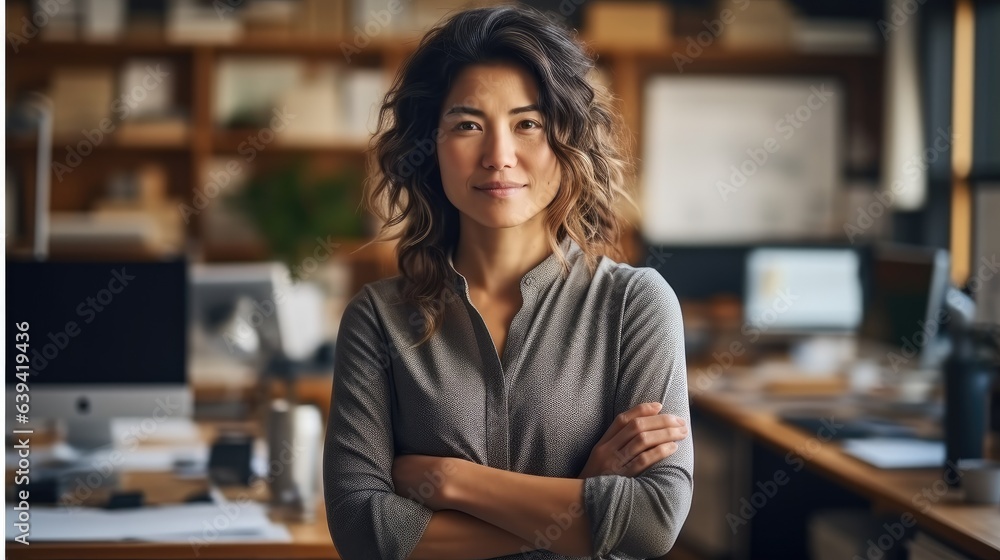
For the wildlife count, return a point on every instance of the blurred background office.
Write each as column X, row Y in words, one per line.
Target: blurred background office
column 819, row 182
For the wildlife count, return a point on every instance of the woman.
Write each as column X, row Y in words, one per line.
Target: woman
column 513, row 392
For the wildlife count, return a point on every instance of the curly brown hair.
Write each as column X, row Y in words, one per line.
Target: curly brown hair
column 587, row 136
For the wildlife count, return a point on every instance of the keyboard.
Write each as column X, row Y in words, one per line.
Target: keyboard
column 850, row 428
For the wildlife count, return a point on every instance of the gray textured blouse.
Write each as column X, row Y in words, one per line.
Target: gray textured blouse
column 580, row 351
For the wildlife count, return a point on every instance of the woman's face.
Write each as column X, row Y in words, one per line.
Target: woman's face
column 496, row 164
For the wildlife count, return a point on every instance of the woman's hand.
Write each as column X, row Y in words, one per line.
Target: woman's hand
column 424, row 479
column 638, row 438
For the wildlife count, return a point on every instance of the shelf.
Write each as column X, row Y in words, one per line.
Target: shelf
column 679, row 46
column 234, row 251
column 322, row 46
column 349, row 249
column 21, row 143
column 196, row 62
column 292, row 46
column 222, row 142
column 407, row 44
column 131, row 45
column 234, row 141
column 84, row 251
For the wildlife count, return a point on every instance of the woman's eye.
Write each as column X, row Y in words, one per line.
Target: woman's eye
column 471, row 126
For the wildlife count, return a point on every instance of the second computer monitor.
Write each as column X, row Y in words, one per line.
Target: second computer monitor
column 904, row 310
column 803, row 290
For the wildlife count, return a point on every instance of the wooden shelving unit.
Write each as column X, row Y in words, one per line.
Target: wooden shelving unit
column 195, row 65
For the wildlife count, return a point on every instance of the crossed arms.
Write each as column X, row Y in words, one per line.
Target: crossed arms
column 631, row 498
column 498, row 512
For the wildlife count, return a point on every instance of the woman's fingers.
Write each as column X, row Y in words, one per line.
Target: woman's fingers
column 635, row 432
column 623, row 419
column 644, row 441
column 642, row 424
column 647, row 459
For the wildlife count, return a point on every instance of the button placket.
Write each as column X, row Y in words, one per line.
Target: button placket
column 497, row 409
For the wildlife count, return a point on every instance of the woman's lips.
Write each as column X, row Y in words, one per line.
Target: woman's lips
column 500, row 190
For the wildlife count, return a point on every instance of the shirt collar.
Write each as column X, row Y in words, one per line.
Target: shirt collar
column 543, row 274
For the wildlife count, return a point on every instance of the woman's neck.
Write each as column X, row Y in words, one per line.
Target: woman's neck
column 494, row 260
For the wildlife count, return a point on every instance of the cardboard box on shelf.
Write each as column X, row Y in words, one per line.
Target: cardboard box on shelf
column 763, row 24
column 81, row 98
column 271, row 19
column 323, row 19
column 627, row 24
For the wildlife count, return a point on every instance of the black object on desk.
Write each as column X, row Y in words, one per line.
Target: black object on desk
column 854, row 428
column 229, row 460
column 968, row 372
column 125, row 500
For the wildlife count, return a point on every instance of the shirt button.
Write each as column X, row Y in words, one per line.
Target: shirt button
column 527, row 281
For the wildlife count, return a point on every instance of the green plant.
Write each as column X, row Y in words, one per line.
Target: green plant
column 291, row 211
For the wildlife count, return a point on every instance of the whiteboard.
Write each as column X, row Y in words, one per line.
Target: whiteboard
column 739, row 159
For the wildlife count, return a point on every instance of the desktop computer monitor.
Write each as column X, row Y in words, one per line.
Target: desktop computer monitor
column 105, row 340
column 905, row 306
column 803, row 290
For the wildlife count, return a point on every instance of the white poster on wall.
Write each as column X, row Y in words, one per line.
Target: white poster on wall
column 740, row 159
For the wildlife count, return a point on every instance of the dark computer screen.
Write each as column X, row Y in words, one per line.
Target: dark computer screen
column 100, row 323
column 905, row 294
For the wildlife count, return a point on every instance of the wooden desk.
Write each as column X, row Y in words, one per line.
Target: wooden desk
column 975, row 530
column 309, row 540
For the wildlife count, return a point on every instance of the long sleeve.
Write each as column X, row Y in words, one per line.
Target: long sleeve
column 367, row 520
column 641, row 516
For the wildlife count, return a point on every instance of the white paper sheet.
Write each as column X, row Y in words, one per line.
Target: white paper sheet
column 897, row 453
column 205, row 522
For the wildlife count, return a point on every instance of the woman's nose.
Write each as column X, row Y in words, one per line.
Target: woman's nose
column 499, row 151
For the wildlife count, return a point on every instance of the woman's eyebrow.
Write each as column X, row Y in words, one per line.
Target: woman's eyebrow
column 465, row 109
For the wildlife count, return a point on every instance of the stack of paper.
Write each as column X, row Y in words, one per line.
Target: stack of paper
column 897, row 453
column 195, row 523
